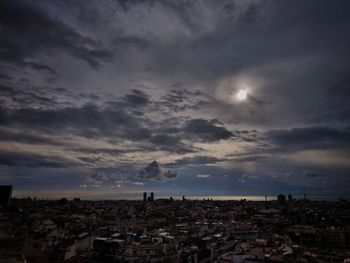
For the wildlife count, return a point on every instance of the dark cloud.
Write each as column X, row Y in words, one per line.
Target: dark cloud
column 111, row 120
column 22, row 97
column 90, row 150
column 336, row 107
column 197, row 160
column 125, row 41
column 181, row 99
column 164, row 139
column 315, row 174
column 341, row 89
column 170, row 143
column 2, row 76
column 206, row 130
column 154, row 172
column 36, row 31
column 258, row 101
column 310, row 138
column 255, row 156
column 27, row 137
column 88, row 121
column 247, row 136
column 13, row 159
column 137, row 98
column 39, row 66
column 97, row 178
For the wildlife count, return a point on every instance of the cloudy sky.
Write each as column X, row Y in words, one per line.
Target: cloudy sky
column 108, row 99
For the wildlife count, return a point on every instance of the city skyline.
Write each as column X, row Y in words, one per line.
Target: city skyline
column 111, row 99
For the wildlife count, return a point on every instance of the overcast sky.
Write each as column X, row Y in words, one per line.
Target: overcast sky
column 108, row 99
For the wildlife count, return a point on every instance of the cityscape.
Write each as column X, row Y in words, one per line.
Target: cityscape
column 173, row 230
column 174, row 131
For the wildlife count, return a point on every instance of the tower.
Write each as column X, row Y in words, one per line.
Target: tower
column 152, row 196
column 144, row 196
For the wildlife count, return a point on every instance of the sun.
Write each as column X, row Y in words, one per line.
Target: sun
column 241, row 94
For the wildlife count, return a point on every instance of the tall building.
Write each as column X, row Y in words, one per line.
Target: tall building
column 152, row 196
column 281, row 199
column 144, row 196
column 5, row 195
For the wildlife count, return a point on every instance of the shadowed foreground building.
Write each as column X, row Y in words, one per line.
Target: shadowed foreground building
column 5, row 195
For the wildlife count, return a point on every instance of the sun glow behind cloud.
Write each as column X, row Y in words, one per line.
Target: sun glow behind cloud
column 242, row 94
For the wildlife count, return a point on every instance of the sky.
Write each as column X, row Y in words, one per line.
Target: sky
column 108, row 99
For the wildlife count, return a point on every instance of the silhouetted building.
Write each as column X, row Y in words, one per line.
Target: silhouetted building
column 183, row 198
column 281, row 199
column 5, row 195
column 144, row 196
column 290, row 198
column 63, row 200
column 152, row 196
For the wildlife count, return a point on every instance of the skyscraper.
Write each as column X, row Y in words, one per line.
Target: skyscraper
column 144, row 196
column 281, row 198
column 152, row 196
column 5, row 195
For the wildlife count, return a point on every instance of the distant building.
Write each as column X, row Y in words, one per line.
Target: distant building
column 281, row 199
column 183, row 198
column 5, row 195
column 290, row 198
column 144, row 196
column 63, row 200
column 152, row 196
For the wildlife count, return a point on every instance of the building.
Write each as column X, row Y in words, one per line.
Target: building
column 152, row 196
column 5, row 195
column 11, row 250
column 189, row 255
column 281, row 199
column 144, row 196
